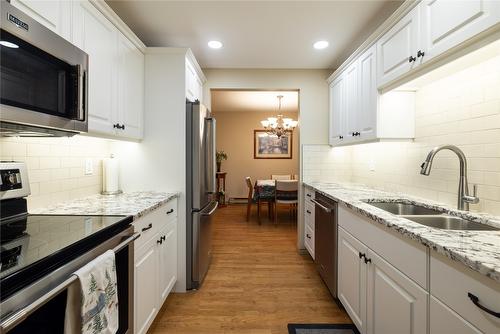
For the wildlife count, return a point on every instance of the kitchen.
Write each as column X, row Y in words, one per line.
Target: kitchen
column 390, row 236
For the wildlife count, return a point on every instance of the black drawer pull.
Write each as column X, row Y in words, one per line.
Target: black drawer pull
column 308, row 195
column 367, row 260
column 170, row 211
column 159, row 242
column 475, row 300
column 308, row 236
column 144, row 229
column 163, row 238
column 361, row 255
column 309, row 212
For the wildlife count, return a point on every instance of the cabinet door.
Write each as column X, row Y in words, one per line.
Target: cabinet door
column 396, row 46
column 54, row 14
column 351, row 115
column 368, row 94
column 146, row 285
column 444, row 320
column 336, row 111
column 168, row 260
column 446, row 24
column 352, row 278
column 97, row 36
column 395, row 304
column 130, row 89
column 192, row 88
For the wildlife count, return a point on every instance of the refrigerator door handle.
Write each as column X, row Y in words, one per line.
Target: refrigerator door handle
column 211, row 151
column 211, row 211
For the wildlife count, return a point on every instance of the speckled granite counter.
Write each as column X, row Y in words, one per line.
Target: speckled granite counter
column 478, row 250
column 134, row 204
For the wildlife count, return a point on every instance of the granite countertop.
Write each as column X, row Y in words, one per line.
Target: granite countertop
column 134, row 204
column 478, row 250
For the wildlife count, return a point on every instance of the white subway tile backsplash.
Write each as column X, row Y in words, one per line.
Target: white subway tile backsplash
column 56, row 166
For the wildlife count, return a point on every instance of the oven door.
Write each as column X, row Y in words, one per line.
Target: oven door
column 43, row 77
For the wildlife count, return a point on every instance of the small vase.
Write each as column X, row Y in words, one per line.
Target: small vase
column 218, row 167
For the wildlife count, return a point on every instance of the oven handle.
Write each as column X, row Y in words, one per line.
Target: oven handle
column 13, row 320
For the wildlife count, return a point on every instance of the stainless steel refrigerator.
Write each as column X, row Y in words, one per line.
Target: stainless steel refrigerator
column 201, row 188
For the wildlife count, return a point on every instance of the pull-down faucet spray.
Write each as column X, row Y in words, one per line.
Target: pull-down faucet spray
column 463, row 189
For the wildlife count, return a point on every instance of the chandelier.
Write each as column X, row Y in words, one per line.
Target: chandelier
column 279, row 126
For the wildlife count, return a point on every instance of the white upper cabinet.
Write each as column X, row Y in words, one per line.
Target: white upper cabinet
column 54, row 14
column 351, row 101
column 445, row 24
column 397, row 49
column 194, row 84
column 94, row 34
column 130, row 89
column 336, row 111
column 368, row 95
column 116, row 74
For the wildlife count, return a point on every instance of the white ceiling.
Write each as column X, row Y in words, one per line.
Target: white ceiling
column 256, row 34
column 253, row 101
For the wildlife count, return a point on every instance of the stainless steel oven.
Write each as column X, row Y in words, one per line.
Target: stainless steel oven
column 43, row 79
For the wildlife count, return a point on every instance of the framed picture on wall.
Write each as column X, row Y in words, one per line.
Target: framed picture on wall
column 267, row 146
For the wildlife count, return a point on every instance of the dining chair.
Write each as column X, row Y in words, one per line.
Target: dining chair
column 286, row 193
column 248, row 180
column 281, row 177
column 251, row 190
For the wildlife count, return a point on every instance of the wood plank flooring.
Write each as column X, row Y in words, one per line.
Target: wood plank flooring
column 257, row 283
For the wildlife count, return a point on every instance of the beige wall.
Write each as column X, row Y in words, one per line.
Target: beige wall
column 235, row 135
column 56, row 166
column 462, row 109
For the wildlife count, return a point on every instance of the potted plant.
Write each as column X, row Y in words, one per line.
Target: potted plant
column 220, row 156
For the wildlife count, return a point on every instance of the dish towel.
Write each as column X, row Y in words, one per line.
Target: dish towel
column 92, row 305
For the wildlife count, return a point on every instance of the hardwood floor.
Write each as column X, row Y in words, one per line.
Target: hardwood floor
column 257, row 283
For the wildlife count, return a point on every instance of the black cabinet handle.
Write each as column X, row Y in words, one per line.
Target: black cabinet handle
column 367, row 260
column 116, row 126
column 170, row 211
column 420, row 53
column 309, row 212
column 163, row 238
column 308, row 195
column 475, row 300
column 122, row 127
column 361, row 255
column 159, row 242
column 147, row 228
column 411, row 59
column 308, row 236
column 341, row 137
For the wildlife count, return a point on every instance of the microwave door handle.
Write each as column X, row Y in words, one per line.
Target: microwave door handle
column 82, row 93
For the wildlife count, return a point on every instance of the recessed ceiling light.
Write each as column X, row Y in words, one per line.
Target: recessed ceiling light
column 9, row 44
column 214, row 44
column 319, row 45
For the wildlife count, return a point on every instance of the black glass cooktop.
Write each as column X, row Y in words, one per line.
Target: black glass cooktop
column 32, row 245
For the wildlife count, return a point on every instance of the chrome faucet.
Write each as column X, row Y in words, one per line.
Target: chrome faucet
column 463, row 189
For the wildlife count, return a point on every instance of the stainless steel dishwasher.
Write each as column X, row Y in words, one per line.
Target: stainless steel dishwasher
column 325, row 245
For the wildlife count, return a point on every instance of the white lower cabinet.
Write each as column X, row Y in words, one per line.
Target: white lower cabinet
column 443, row 320
column 379, row 298
column 352, row 278
column 168, row 260
column 155, row 264
column 145, row 286
column 395, row 304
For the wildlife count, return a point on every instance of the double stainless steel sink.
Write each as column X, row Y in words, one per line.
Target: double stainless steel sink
column 430, row 217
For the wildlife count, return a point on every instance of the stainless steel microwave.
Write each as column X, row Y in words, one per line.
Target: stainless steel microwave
column 43, row 79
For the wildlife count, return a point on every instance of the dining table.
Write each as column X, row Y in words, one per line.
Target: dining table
column 264, row 191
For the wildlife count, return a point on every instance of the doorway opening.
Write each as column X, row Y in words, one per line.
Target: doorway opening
column 252, row 157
